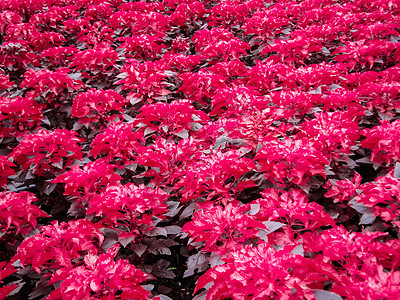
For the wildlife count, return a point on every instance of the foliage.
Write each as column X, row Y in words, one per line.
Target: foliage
column 205, row 149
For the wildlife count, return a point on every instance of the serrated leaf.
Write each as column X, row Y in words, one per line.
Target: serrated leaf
column 333, row 87
column 122, row 75
column 384, row 116
column 29, row 175
column 198, row 261
column 131, row 167
column 397, row 171
column 59, row 164
column 184, row 134
column 215, row 260
column 46, row 121
column 40, row 290
column 109, row 242
column 299, row 250
column 317, row 91
column 188, row 211
column 148, row 287
column 128, row 118
column 173, row 208
column 195, row 118
column 148, row 131
column 19, row 284
column 273, row 226
column 201, row 296
column 325, row 295
column 195, row 126
column 367, row 218
column 326, row 51
column 173, row 229
column 255, row 208
column 359, row 207
column 238, row 142
column 263, row 234
column 165, row 128
column 157, row 231
column 138, row 249
column 75, row 76
column 134, row 100
column 364, row 160
column 125, row 241
column 221, row 142
column 351, row 163
column 258, row 148
column 76, row 126
column 328, row 170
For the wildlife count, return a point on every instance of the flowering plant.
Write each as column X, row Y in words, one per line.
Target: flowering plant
column 207, row 149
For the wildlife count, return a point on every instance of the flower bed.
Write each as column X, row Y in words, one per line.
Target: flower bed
column 199, row 149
